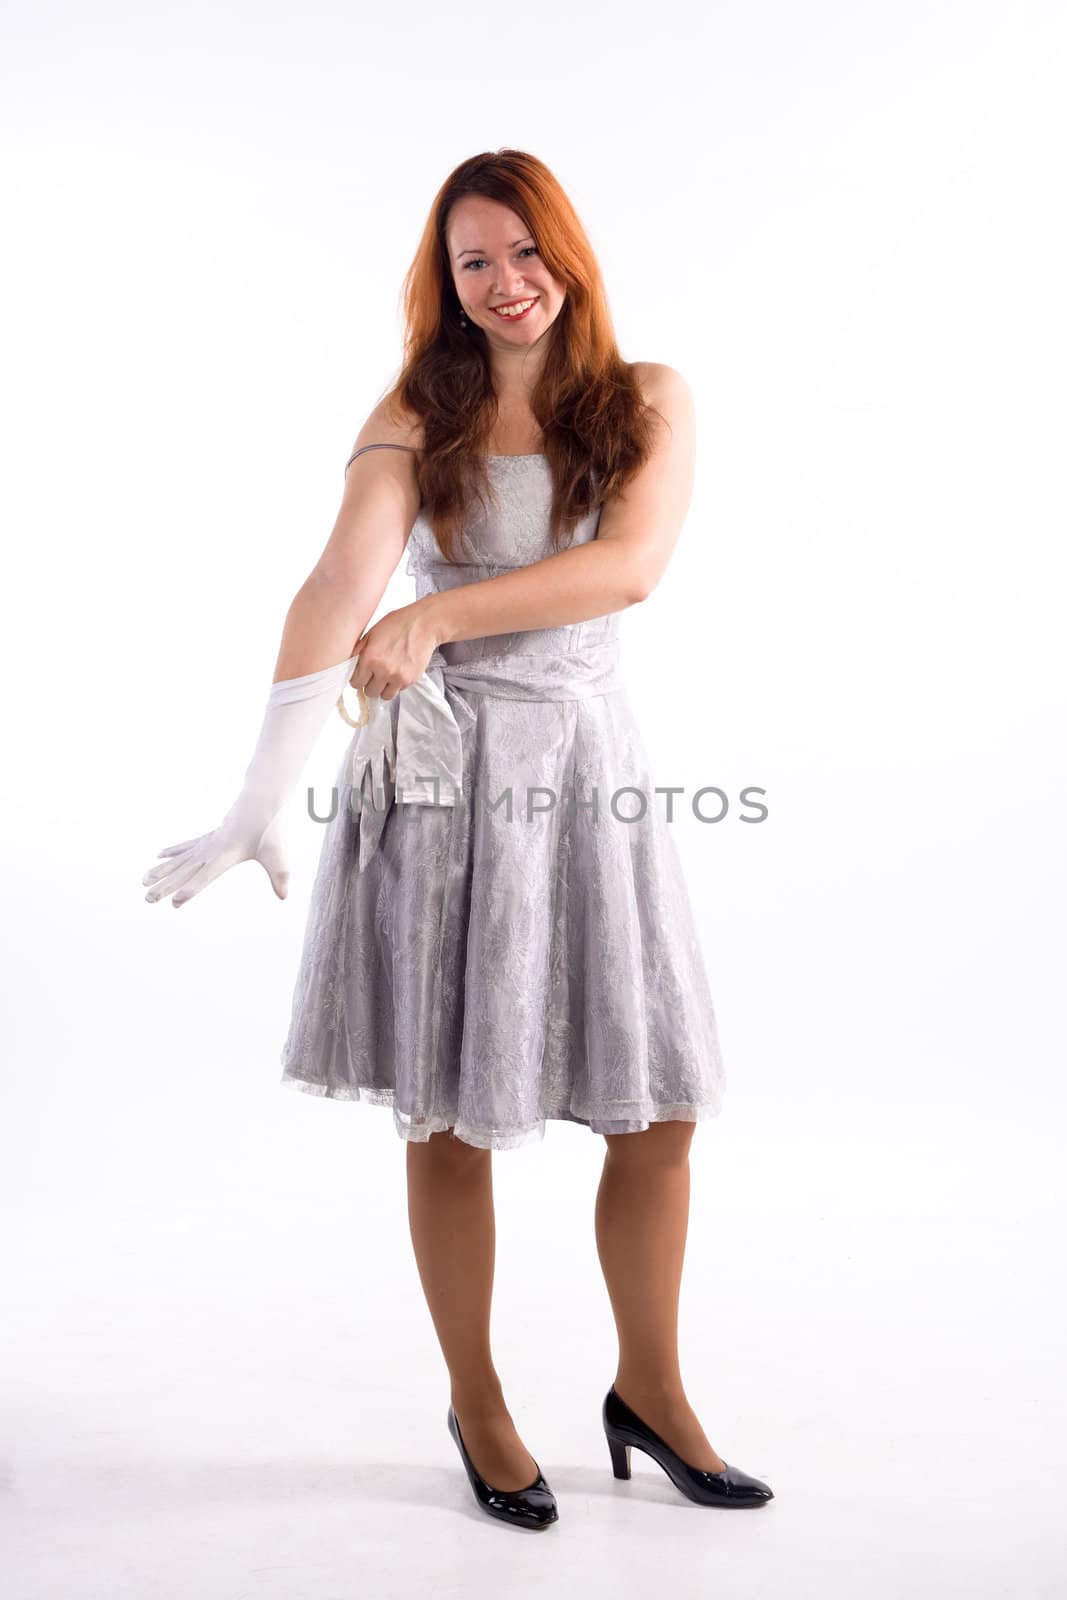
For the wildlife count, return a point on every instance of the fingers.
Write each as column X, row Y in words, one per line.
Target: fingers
column 379, row 688
column 203, row 873
column 176, row 849
column 162, row 868
column 178, row 875
column 184, row 876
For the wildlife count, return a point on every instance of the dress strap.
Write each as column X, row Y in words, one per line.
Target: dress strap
column 360, row 451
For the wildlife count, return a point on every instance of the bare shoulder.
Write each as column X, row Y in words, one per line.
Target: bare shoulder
column 664, row 388
column 390, row 423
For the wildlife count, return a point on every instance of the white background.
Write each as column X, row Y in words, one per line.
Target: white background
column 844, row 224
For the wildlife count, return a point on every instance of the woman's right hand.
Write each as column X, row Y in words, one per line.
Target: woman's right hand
column 252, row 828
column 187, row 868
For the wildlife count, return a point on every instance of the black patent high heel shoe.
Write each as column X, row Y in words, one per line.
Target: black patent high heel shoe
column 532, row 1507
column 624, row 1429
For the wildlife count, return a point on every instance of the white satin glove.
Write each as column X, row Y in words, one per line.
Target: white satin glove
column 252, row 828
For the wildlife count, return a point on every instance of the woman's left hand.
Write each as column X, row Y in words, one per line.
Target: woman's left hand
column 394, row 652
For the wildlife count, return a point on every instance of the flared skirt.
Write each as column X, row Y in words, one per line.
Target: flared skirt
column 526, row 954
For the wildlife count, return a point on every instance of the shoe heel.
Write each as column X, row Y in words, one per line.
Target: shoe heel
column 620, row 1457
column 729, row 1487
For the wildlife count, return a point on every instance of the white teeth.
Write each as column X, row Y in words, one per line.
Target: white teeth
column 513, row 311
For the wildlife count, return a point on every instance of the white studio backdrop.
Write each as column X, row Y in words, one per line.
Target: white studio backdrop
column 844, row 224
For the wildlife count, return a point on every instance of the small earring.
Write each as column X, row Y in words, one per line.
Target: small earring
column 462, row 318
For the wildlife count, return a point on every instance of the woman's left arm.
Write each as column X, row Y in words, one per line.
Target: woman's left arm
column 636, row 536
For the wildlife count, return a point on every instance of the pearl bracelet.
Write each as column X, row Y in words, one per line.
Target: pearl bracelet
column 364, row 709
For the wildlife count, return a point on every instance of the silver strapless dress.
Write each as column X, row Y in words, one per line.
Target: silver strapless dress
column 518, row 952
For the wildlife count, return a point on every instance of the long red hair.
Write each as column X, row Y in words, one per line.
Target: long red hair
column 596, row 425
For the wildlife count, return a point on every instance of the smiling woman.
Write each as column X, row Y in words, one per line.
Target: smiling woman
column 509, row 349
column 500, row 934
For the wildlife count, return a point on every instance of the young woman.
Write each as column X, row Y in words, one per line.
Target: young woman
column 499, row 932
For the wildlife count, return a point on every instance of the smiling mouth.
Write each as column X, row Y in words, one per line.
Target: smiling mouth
column 516, row 310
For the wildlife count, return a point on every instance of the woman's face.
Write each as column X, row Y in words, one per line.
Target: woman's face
column 495, row 263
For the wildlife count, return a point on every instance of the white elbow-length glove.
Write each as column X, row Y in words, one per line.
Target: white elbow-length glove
column 251, row 830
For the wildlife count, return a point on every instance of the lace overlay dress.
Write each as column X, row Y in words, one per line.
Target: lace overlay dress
column 489, row 972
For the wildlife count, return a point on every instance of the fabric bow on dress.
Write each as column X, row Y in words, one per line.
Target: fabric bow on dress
column 428, row 742
column 423, row 759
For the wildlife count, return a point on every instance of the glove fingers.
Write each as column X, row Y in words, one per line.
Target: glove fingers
column 203, row 873
column 176, row 849
column 177, row 877
column 162, row 869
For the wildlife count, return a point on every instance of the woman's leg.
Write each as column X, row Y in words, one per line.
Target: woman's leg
column 642, row 1215
column 453, row 1230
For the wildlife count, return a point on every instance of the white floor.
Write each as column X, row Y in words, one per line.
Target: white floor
column 235, row 1391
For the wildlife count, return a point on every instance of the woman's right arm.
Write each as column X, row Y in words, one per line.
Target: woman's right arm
column 335, row 603
column 327, row 616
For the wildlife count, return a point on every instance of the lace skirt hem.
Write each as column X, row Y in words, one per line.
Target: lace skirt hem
column 621, row 1117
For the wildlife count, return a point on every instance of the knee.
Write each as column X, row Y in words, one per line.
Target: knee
column 444, row 1151
column 661, row 1144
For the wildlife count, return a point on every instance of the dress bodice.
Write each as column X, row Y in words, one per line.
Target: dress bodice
column 514, row 532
